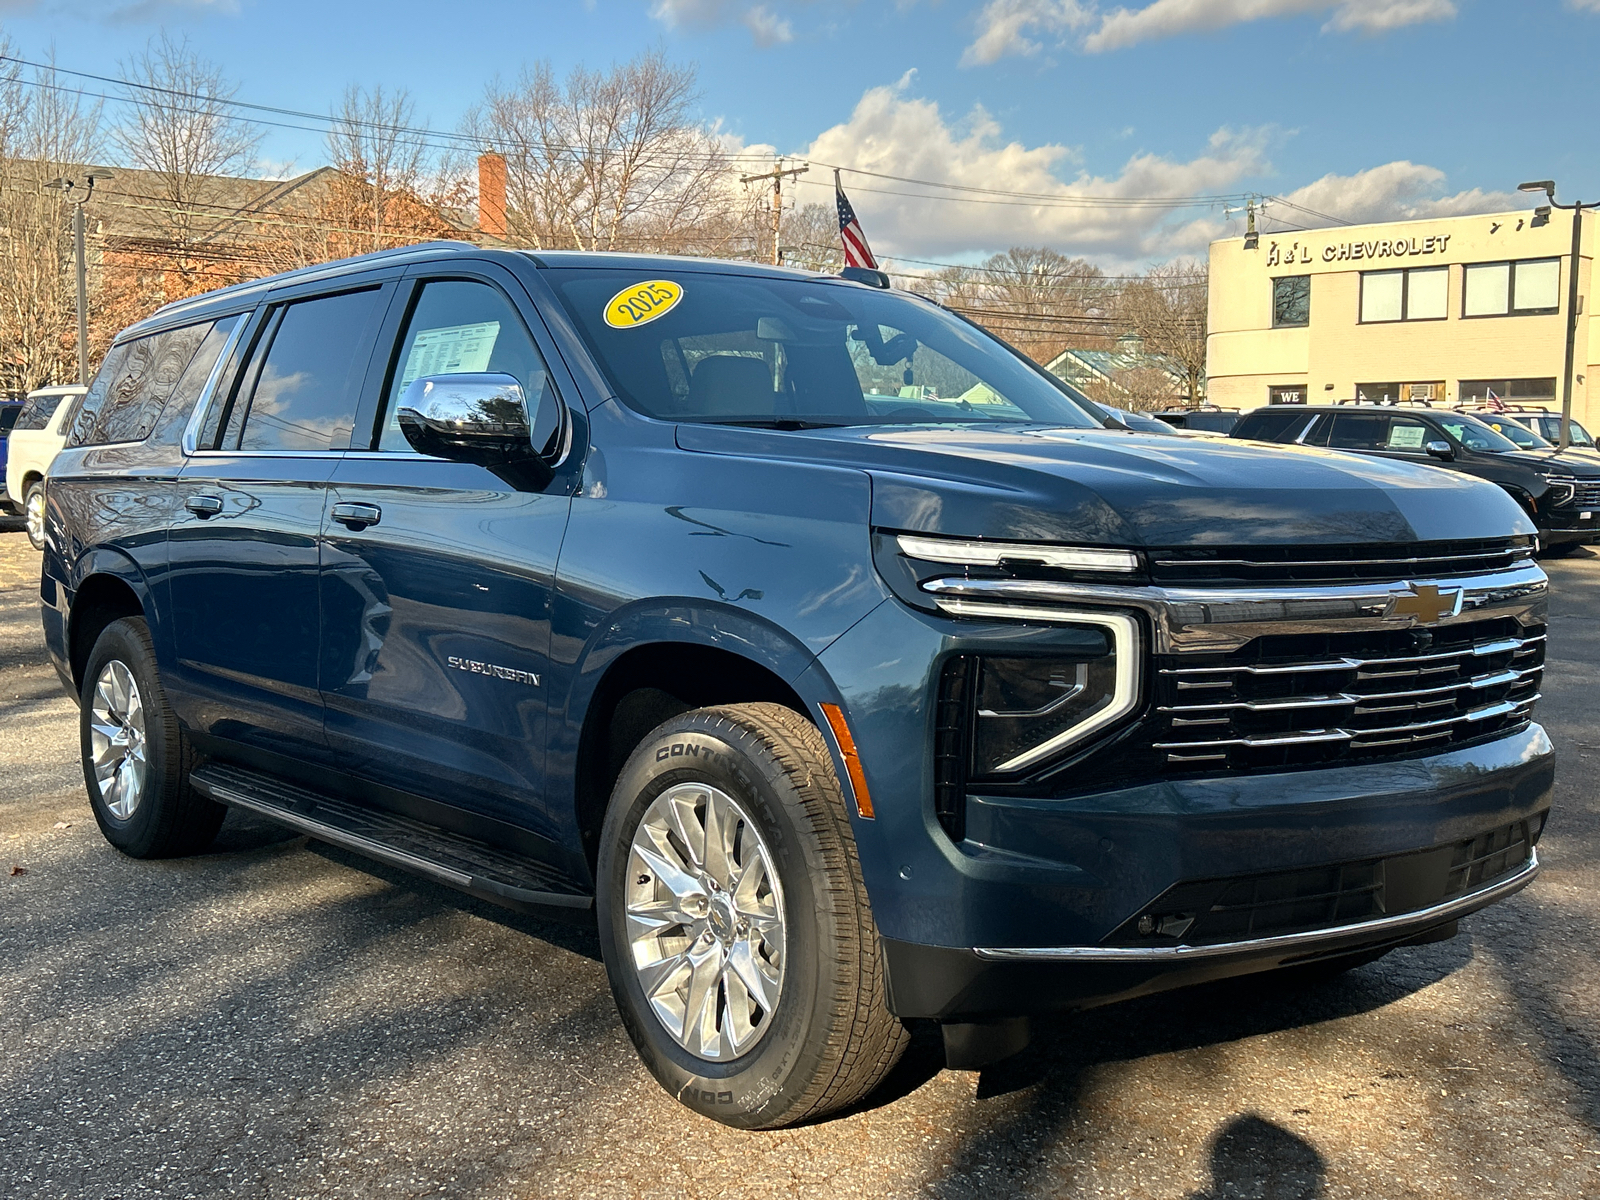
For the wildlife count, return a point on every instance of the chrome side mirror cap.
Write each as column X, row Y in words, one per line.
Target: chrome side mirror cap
column 1440, row 450
column 474, row 418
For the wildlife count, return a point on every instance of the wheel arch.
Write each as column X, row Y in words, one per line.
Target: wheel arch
column 649, row 666
column 107, row 587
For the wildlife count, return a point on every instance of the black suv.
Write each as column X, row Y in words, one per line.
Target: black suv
column 1559, row 492
column 826, row 654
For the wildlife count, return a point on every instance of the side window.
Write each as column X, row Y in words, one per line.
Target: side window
column 138, row 392
column 1318, row 436
column 1406, row 436
column 1358, row 431
column 302, row 389
column 461, row 327
column 193, row 380
column 84, row 419
column 38, row 409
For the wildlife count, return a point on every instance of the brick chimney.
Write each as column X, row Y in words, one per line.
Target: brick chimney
column 492, row 195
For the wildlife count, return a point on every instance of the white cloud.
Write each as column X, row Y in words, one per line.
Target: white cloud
column 1005, row 26
column 766, row 27
column 1396, row 191
column 895, row 133
column 1584, row 5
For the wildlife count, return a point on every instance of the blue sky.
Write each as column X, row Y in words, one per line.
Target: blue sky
column 1362, row 109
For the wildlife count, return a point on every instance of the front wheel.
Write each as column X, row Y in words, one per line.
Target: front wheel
column 734, row 923
column 33, row 513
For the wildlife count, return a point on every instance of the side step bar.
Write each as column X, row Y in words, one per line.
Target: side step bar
column 473, row 866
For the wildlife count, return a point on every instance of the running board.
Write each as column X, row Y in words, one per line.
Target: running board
column 462, row 862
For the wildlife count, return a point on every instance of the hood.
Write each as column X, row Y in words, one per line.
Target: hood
column 1582, row 465
column 1106, row 487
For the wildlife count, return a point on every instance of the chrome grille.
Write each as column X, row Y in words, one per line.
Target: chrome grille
column 1587, row 494
column 1281, row 704
column 1335, row 564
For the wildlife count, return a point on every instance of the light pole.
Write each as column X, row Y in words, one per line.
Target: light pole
column 1548, row 187
column 71, row 187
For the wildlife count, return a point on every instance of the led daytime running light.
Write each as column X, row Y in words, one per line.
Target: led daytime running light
column 993, row 554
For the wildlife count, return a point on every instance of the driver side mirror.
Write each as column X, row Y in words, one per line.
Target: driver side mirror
column 1441, row 450
column 480, row 419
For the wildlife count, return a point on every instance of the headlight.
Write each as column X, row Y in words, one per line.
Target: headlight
column 1562, row 489
column 1026, row 710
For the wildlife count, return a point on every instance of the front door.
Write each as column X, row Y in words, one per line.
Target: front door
column 244, row 548
column 437, row 580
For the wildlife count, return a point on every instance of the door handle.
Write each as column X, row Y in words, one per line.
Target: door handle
column 204, row 506
column 356, row 516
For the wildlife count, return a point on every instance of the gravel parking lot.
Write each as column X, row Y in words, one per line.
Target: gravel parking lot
column 278, row 1018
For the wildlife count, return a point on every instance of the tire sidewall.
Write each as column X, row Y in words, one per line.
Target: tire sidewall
column 703, row 748
column 126, row 641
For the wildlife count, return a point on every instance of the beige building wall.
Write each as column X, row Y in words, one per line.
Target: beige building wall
column 1333, row 353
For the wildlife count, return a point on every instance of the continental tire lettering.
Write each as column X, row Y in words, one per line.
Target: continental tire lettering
column 684, row 750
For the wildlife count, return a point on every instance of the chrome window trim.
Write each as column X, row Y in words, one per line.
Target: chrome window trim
column 1395, row 926
column 1128, row 661
column 191, row 431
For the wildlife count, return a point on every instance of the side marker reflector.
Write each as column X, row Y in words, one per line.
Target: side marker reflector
column 852, row 760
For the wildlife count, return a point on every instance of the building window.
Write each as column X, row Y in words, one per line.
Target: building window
column 1416, row 294
column 1516, row 391
column 1291, row 301
column 1378, row 393
column 1512, row 288
column 1289, row 393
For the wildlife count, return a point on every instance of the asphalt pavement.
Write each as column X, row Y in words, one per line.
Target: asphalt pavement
column 276, row 1018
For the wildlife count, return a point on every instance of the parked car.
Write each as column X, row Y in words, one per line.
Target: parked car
column 40, row 430
column 1218, row 422
column 630, row 588
column 10, row 410
column 1559, row 492
column 1522, row 436
column 1548, row 426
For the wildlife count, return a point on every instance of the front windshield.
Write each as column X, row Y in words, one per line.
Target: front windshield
column 1474, row 434
column 1524, row 438
column 753, row 350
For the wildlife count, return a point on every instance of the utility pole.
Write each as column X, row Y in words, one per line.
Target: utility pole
column 776, row 175
column 72, row 187
column 1548, row 187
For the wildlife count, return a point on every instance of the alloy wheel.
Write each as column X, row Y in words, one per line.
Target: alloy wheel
column 33, row 516
column 705, row 921
column 117, row 739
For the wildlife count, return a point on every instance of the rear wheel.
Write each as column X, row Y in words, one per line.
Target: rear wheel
column 135, row 758
column 734, row 922
column 33, row 513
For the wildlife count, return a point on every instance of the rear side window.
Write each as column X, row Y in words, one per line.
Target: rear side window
column 38, row 409
column 9, row 415
column 127, row 397
column 1359, row 431
column 300, row 392
column 1271, row 426
column 193, row 381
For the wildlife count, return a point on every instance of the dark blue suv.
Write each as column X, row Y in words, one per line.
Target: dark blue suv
column 825, row 652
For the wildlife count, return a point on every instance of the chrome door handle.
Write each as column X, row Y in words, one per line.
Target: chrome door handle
column 357, row 516
column 204, row 506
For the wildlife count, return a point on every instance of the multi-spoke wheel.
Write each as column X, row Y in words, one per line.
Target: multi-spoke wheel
column 135, row 757
column 734, row 923
column 705, row 921
column 33, row 514
column 116, row 739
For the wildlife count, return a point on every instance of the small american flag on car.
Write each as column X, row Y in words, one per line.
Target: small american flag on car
column 856, row 251
column 1493, row 402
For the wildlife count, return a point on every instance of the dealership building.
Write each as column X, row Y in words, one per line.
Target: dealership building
column 1442, row 311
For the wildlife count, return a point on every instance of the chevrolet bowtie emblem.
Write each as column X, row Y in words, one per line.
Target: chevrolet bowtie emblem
column 1426, row 603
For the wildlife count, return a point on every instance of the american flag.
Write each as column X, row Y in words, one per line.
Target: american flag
column 856, row 251
column 1493, row 402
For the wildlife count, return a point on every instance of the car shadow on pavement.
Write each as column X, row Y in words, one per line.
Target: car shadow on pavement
column 1250, row 1156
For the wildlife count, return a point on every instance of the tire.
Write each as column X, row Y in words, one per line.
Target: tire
column 827, row 1038
column 1561, row 549
column 144, row 807
column 33, row 513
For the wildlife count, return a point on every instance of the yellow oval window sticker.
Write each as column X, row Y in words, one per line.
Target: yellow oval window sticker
column 642, row 302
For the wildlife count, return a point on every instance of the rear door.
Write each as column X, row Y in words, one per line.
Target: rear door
column 437, row 576
column 244, row 545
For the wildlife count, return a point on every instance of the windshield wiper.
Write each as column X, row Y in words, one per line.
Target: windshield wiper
column 784, row 423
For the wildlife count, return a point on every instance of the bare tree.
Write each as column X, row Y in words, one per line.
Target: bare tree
column 811, row 238
column 1167, row 308
column 1034, row 297
column 610, row 160
column 48, row 132
column 386, row 191
column 181, row 128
